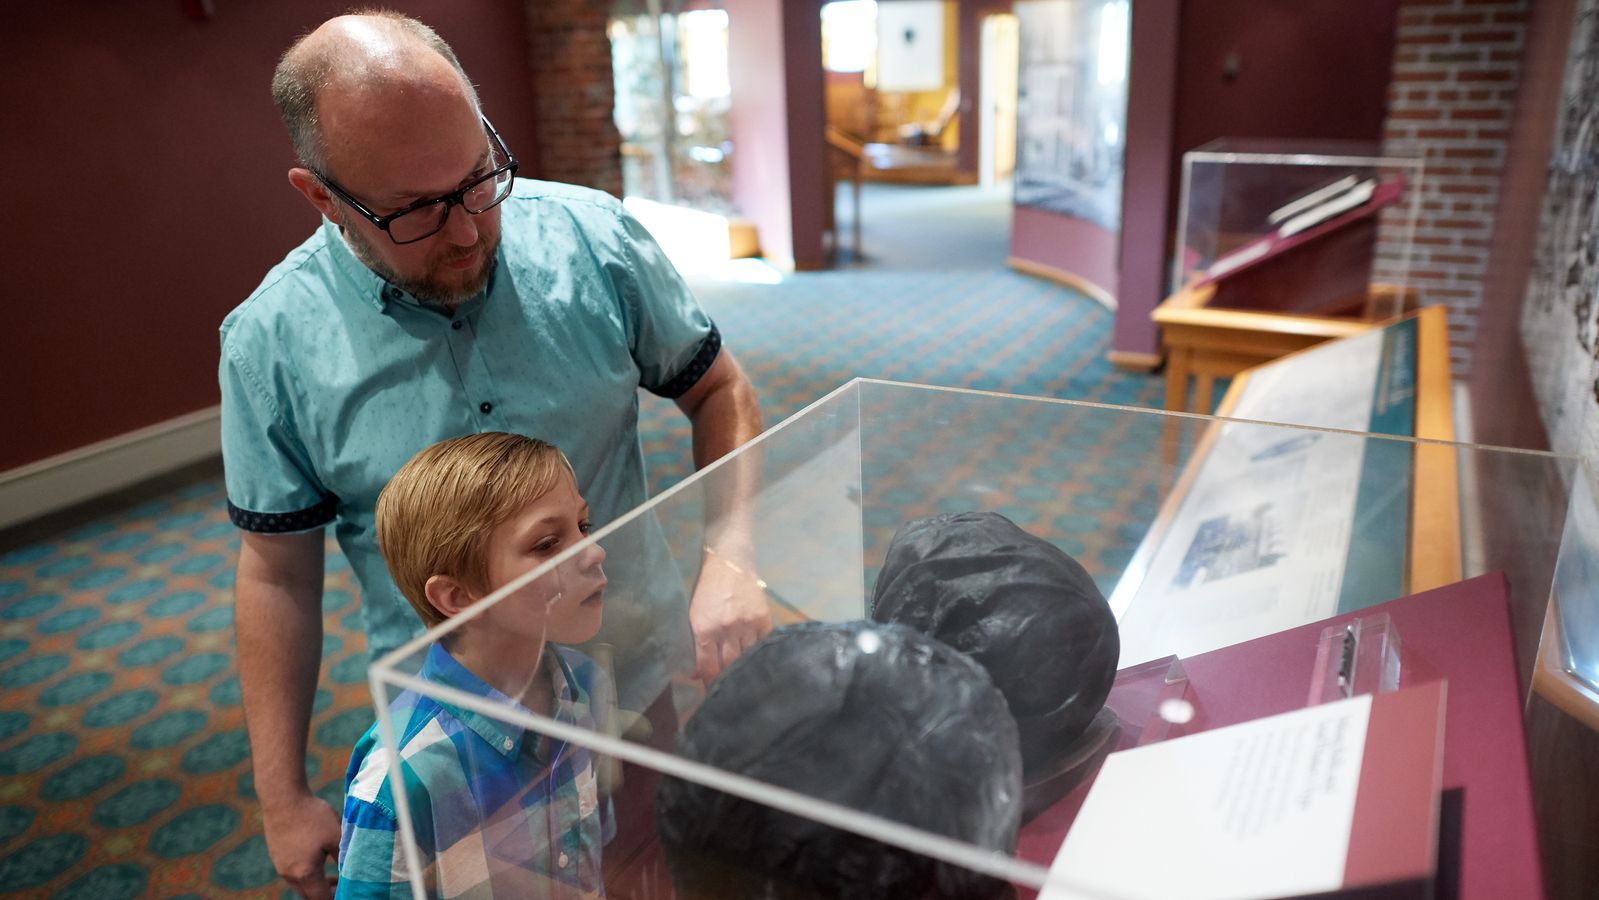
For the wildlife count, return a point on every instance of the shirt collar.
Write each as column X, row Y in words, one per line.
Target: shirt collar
column 505, row 737
column 374, row 289
column 368, row 285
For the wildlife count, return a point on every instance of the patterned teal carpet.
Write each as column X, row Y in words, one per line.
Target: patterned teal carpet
column 124, row 766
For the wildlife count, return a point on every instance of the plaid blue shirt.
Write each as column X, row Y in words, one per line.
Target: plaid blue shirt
column 492, row 815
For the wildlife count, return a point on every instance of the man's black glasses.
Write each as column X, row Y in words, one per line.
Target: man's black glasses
column 425, row 218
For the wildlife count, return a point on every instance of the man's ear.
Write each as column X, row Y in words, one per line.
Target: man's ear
column 448, row 595
column 315, row 193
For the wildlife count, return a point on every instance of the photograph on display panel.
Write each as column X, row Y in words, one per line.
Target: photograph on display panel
column 1071, row 111
column 1275, row 526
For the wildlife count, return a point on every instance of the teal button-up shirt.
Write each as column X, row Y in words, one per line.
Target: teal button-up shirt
column 332, row 379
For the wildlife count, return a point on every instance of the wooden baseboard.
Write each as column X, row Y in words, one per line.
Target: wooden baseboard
column 1060, row 276
column 1133, row 361
column 67, row 479
column 742, row 241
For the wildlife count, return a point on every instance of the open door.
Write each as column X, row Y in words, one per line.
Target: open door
column 1001, row 41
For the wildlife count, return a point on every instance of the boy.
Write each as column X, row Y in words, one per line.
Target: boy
column 495, row 810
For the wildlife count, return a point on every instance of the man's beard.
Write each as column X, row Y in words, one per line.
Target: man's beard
column 429, row 289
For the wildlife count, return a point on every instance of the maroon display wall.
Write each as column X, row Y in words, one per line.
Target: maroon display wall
column 1504, row 410
column 1146, row 180
column 1313, row 69
column 759, row 124
column 804, row 94
column 143, row 171
column 778, row 122
column 1081, row 250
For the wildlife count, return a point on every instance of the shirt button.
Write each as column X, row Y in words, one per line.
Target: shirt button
column 507, row 744
column 485, row 407
column 456, row 324
column 562, row 860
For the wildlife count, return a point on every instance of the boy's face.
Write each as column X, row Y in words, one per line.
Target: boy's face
column 543, row 528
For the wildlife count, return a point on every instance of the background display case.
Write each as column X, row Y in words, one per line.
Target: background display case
column 1280, row 247
column 807, row 511
column 1568, row 655
column 1294, row 227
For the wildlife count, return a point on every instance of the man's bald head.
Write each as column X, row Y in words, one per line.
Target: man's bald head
column 363, row 53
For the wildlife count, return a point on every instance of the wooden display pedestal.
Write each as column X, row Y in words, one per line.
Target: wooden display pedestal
column 1205, row 342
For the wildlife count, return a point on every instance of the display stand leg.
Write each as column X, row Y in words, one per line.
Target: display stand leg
column 1204, row 393
column 1177, row 365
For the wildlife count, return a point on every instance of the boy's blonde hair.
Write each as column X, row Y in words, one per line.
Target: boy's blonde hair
column 435, row 515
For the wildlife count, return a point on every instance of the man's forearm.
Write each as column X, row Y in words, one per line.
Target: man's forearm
column 279, row 657
column 724, row 414
column 278, row 617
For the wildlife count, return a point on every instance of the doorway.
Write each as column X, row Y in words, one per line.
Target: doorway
column 672, row 99
column 897, row 95
column 1000, row 45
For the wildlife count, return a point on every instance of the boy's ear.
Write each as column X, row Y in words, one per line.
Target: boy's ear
column 448, row 595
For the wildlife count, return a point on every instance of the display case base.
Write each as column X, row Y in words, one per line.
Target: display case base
column 1086, row 753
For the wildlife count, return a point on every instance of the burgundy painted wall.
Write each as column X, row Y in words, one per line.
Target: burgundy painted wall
column 1147, row 173
column 806, row 93
column 1312, row 69
column 1075, row 246
column 144, row 170
column 1066, row 244
column 1504, row 410
column 778, row 121
column 758, row 122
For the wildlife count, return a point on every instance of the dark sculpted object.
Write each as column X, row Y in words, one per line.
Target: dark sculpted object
column 877, row 718
column 1028, row 613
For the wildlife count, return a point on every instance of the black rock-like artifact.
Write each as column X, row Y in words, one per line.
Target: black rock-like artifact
column 876, row 718
column 1025, row 610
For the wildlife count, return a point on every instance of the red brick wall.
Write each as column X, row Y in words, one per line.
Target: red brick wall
column 570, row 55
column 1456, row 67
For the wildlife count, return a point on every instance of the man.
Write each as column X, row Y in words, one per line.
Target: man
column 440, row 297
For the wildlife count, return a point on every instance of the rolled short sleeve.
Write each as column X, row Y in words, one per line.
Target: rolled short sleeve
column 271, row 488
column 672, row 341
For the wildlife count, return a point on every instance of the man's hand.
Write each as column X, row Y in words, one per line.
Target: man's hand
column 277, row 614
column 727, row 614
column 302, row 833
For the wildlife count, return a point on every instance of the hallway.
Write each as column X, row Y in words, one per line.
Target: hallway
column 932, row 302
column 911, row 227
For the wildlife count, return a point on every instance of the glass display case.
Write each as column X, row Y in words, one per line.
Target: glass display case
column 1568, row 659
column 1318, row 228
column 1236, row 558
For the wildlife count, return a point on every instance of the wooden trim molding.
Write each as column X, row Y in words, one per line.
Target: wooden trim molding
column 1060, row 276
column 1435, row 550
column 66, row 479
column 1133, row 361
